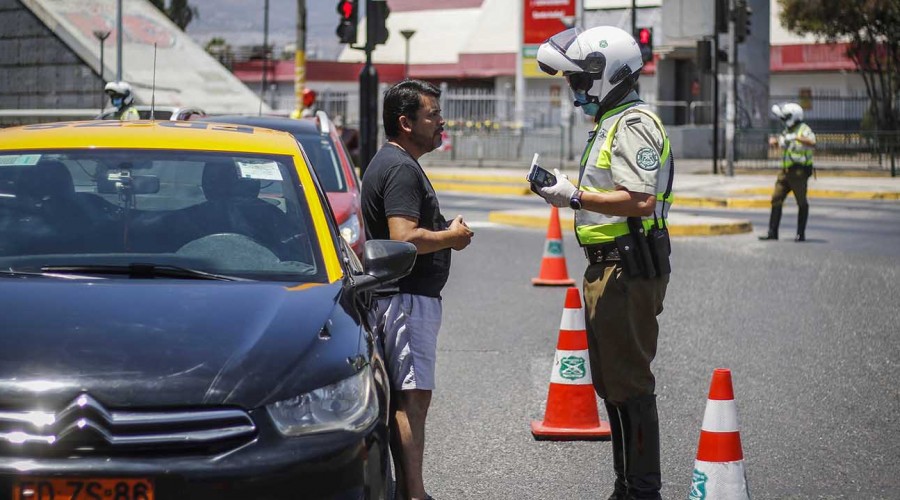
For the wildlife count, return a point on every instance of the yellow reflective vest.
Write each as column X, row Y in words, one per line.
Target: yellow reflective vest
column 797, row 153
column 596, row 175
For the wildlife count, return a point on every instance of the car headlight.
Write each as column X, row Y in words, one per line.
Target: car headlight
column 350, row 229
column 349, row 405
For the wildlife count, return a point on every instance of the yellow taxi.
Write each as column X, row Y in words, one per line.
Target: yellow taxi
column 182, row 319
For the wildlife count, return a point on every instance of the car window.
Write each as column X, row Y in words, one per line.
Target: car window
column 324, row 159
column 241, row 214
column 158, row 114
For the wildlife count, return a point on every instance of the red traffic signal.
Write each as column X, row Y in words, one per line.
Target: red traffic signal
column 645, row 43
column 347, row 9
column 644, row 36
column 346, row 30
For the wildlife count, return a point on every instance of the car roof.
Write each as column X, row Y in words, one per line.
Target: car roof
column 194, row 135
column 292, row 125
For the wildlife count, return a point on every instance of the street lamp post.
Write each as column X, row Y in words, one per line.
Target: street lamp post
column 102, row 36
column 407, row 34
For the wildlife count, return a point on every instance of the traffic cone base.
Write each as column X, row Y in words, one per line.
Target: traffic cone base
column 540, row 282
column 553, row 264
column 571, row 412
column 719, row 467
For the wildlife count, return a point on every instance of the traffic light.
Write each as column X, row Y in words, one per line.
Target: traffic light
column 704, row 56
column 645, row 43
column 349, row 12
column 742, row 14
column 376, row 22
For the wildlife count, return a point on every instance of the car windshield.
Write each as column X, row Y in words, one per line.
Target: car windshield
column 236, row 214
column 324, row 160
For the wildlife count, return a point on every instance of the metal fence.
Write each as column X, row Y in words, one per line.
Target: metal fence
column 848, row 149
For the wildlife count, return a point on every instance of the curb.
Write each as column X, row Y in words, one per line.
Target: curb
column 703, row 202
column 832, row 193
column 705, row 226
column 481, row 188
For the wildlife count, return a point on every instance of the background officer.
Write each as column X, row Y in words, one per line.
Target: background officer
column 122, row 99
column 797, row 141
column 624, row 190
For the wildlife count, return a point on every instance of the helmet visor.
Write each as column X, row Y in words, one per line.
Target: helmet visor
column 564, row 39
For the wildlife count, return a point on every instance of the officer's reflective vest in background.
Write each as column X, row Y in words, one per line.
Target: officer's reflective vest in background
column 593, row 228
column 128, row 114
column 795, row 152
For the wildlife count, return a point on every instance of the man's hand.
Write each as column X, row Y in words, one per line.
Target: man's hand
column 560, row 193
column 462, row 234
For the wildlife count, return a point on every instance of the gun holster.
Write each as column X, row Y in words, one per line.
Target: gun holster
column 644, row 254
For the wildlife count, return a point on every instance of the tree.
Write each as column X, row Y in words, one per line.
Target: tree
column 179, row 11
column 221, row 50
column 872, row 28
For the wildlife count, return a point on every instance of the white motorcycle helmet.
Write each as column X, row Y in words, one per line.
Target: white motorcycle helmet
column 121, row 89
column 603, row 62
column 790, row 113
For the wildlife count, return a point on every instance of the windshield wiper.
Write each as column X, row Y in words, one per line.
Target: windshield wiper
column 145, row 271
column 15, row 273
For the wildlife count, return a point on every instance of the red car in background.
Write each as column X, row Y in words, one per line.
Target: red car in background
column 331, row 161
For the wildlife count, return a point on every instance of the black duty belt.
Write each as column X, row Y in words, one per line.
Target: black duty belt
column 597, row 254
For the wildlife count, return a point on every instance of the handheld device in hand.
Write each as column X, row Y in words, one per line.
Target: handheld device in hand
column 539, row 177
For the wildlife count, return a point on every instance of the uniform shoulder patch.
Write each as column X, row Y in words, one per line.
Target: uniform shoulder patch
column 647, row 158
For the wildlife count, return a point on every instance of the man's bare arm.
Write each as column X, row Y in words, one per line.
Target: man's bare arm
column 404, row 228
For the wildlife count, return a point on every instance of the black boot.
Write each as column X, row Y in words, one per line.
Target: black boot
column 802, row 215
column 620, row 492
column 774, row 221
column 640, row 427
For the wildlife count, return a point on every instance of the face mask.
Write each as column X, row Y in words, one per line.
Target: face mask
column 117, row 101
column 587, row 107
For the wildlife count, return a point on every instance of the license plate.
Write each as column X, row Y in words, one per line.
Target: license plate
column 77, row 488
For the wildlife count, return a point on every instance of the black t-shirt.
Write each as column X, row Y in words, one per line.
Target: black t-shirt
column 394, row 184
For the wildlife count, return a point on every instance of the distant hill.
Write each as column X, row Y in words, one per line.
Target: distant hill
column 240, row 22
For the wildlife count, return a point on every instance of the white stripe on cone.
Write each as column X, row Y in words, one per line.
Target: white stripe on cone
column 571, row 368
column 572, row 320
column 553, row 249
column 720, row 416
column 719, row 481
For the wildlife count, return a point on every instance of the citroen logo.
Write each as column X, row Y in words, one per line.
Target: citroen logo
column 84, row 421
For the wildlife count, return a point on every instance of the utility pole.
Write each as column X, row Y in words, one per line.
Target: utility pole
column 264, row 82
column 300, row 56
column 119, row 41
column 637, row 87
column 519, row 97
column 730, row 90
column 718, row 6
column 368, row 96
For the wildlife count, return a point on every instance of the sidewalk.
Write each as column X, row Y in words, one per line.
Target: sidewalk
column 693, row 188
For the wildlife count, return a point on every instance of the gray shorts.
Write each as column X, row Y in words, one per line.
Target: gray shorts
column 408, row 325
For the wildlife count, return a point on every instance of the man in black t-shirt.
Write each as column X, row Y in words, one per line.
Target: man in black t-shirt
column 399, row 203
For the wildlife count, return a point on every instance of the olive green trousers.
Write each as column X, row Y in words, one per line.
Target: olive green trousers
column 622, row 331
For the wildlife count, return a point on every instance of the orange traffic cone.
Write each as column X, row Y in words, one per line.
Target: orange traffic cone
column 719, row 468
column 571, row 404
column 553, row 265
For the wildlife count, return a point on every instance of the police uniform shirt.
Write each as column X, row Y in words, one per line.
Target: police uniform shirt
column 636, row 150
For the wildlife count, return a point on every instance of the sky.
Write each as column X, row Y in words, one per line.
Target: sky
column 241, row 22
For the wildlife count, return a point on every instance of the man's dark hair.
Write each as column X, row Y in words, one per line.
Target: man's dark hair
column 403, row 99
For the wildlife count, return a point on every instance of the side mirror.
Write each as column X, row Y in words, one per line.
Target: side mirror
column 385, row 261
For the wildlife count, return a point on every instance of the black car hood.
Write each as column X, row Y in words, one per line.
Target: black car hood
column 141, row 343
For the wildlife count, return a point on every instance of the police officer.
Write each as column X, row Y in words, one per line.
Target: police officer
column 797, row 141
column 621, row 202
column 122, row 98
